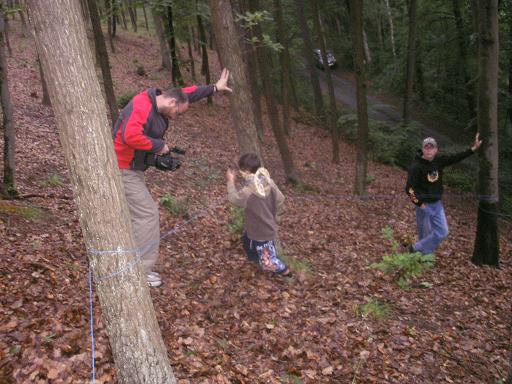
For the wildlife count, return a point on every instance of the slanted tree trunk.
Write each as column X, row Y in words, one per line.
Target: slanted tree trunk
column 411, row 58
column 249, row 55
column 145, row 15
column 463, row 62
column 102, row 59
column 308, row 56
column 264, row 59
column 8, row 187
column 5, row 33
column 137, row 345
column 356, row 24
column 46, row 97
column 391, row 27
column 24, row 26
column 367, row 53
column 109, row 10
column 228, row 47
column 285, row 66
column 205, row 67
column 333, row 113
column 164, row 48
column 177, row 79
column 486, row 249
column 133, row 16
column 191, row 56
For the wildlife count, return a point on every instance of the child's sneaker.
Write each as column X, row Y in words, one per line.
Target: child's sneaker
column 153, row 279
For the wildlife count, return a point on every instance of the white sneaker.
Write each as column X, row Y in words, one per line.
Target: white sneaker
column 154, row 273
column 153, row 280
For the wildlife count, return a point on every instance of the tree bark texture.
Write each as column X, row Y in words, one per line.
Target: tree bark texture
column 177, row 79
column 102, row 58
column 164, row 48
column 308, row 56
column 356, row 17
column 333, row 113
column 285, row 66
column 137, row 346
column 486, row 249
column 205, row 66
column 8, row 182
column 228, row 47
column 264, row 59
column 411, row 59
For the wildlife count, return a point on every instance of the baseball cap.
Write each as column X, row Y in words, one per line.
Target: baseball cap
column 429, row 141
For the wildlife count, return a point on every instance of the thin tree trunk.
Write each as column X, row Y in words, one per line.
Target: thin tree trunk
column 110, row 16
column 24, row 27
column 486, row 249
column 6, row 36
column 411, row 59
column 133, row 18
column 285, row 66
column 164, row 48
column 249, row 55
column 205, row 67
column 333, row 113
column 356, row 17
column 46, row 97
column 137, row 345
column 191, row 57
column 229, row 48
column 8, row 187
column 308, row 56
column 367, row 52
column 177, row 79
column 102, row 59
column 145, row 16
column 391, row 27
column 263, row 60
column 463, row 62
column 122, row 11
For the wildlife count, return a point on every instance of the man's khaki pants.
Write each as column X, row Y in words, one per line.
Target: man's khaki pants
column 144, row 215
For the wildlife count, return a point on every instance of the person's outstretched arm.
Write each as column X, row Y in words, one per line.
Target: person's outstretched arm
column 196, row 93
column 457, row 157
column 238, row 198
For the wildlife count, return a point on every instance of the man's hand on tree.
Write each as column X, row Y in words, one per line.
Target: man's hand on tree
column 222, row 83
column 477, row 143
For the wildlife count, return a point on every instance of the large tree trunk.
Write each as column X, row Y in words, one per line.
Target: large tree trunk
column 391, row 27
column 205, row 66
column 264, row 59
column 333, row 113
column 164, row 48
column 308, row 56
column 102, row 58
column 487, row 243
column 228, row 47
column 137, row 346
column 285, row 66
column 463, row 62
column 177, row 79
column 411, row 58
column 356, row 23
column 8, row 187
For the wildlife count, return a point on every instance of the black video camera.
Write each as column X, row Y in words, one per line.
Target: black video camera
column 166, row 162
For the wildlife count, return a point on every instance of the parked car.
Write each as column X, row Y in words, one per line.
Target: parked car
column 331, row 60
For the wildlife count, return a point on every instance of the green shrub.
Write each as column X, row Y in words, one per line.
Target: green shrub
column 125, row 99
column 236, row 221
column 403, row 265
column 176, row 207
column 459, row 179
column 53, row 181
column 374, row 309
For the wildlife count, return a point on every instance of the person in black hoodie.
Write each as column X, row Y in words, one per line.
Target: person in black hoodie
column 425, row 189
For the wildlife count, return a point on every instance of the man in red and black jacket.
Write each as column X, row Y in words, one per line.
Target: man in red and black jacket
column 139, row 135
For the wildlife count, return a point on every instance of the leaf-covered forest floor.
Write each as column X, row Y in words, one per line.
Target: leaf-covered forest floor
column 222, row 320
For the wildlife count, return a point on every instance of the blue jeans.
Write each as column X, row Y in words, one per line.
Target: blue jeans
column 432, row 227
